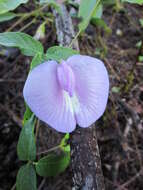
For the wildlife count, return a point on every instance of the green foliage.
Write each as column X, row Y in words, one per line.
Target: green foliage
column 108, row 2
column 73, row 3
column 40, row 33
column 54, row 164
column 64, row 140
column 140, row 2
column 139, row 44
column 59, row 53
column 28, row 45
column 26, row 178
column 37, row 59
column 7, row 16
column 95, row 11
column 98, row 12
column 100, row 23
column 116, row 89
column 26, row 148
column 140, row 58
column 8, row 5
column 141, row 22
column 86, row 10
column 53, row 4
column 27, row 115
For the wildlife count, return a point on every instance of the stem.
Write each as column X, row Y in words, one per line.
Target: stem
column 25, row 16
column 37, row 128
column 75, row 38
column 49, row 150
column 64, row 140
column 13, row 187
column 28, row 24
column 82, row 172
column 16, row 23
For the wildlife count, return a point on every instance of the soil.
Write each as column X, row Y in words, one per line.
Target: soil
column 120, row 130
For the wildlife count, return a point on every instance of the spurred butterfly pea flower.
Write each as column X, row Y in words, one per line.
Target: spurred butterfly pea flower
column 72, row 92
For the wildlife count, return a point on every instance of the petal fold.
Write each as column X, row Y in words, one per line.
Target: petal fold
column 66, row 78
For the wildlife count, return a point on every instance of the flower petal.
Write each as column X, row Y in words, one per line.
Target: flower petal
column 44, row 96
column 66, row 78
column 92, row 88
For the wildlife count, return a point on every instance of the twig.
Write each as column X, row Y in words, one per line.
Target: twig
column 112, row 69
column 49, row 150
column 12, row 115
column 85, row 157
column 37, row 128
column 16, row 23
column 130, row 180
column 24, row 16
column 28, row 24
column 42, row 184
column 131, row 111
column 13, row 187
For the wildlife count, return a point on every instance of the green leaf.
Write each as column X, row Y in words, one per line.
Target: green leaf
column 38, row 59
column 64, row 140
column 140, row 2
column 116, row 89
column 101, row 23
column 26, row 178
column 26, row 148
column 108, row 2
column 140, row 58
column 40, row 33
column 27, row 115
column 8, row 5
column 141, row 22
column 54, row 164
column 98, row 12
column 139, row 44
column 28, row 45
column 7, row 16
column 86, row 10
column 59, row 53
column 53, row 4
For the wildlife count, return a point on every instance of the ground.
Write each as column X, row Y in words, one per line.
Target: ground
column 119, row 131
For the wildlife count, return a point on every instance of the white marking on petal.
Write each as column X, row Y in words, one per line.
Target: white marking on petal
column 75, row 103
column 72, row 103
column 68, row 102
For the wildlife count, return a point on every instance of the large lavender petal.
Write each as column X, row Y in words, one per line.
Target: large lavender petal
column 44, row 96
column 92, row 88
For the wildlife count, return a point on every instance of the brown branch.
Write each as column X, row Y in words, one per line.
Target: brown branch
column 127, row 183
column 85, row 157
column 11, row 114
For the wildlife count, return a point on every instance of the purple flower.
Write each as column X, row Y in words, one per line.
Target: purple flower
column 72, row 92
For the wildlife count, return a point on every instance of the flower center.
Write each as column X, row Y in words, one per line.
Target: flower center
column 66, row 78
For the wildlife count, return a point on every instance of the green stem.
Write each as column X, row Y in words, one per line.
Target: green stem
column 62, row 144
column 28, row 24
column 76, row 36
column 49, row 150
column 16, row 23
column 64, row 140
column 24, row 16
column 37, row 128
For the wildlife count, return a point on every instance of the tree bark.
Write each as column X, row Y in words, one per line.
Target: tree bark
column 85, row 157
